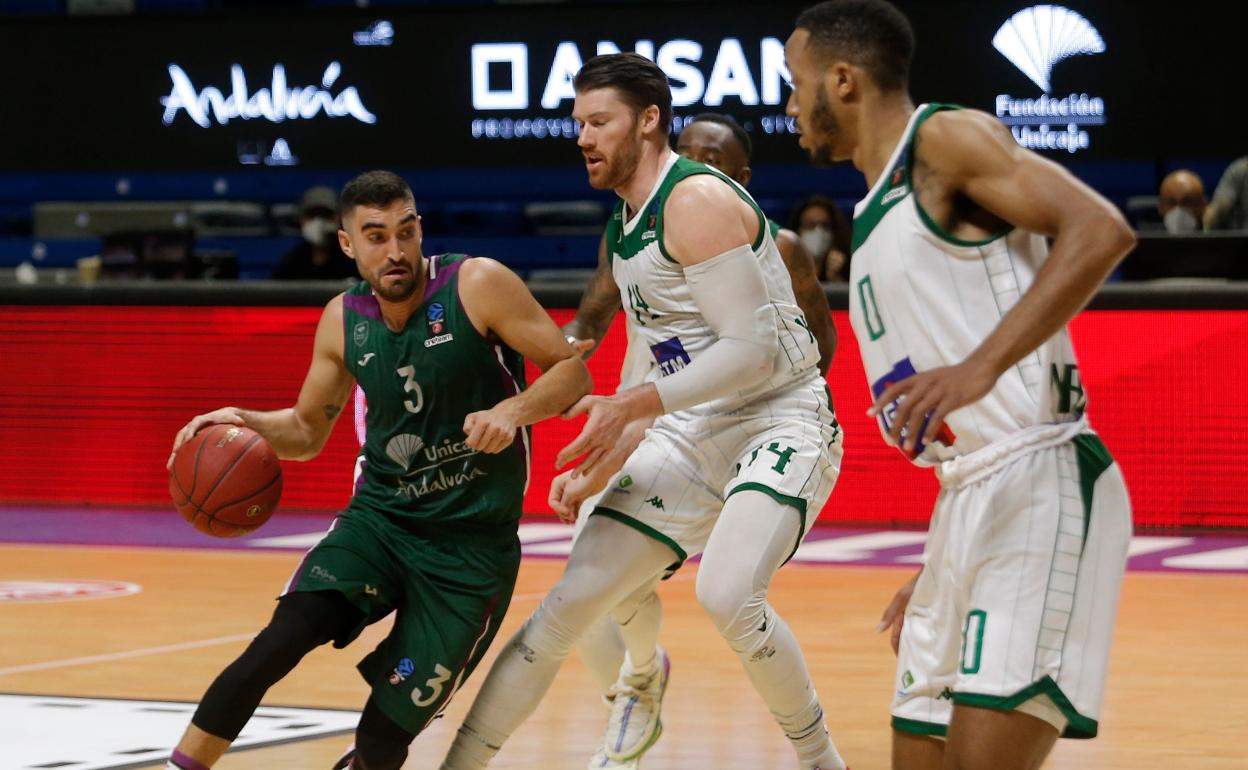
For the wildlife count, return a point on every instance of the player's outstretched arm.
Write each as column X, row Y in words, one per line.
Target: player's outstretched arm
column 809, row 293
column 599, row 304
column 973, row 154
column 299, row 432
column 498, row 302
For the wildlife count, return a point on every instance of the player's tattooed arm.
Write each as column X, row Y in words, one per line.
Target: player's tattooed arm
column 331, row 411
column 810, row 295
column 599, row 304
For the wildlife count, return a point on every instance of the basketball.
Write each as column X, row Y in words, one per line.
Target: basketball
column 226, row 481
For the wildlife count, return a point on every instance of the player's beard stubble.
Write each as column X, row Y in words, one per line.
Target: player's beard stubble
column 826, row 127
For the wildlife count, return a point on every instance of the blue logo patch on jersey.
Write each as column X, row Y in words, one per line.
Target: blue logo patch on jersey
column 436, row 315
column 402, row 671
column 901, row 370
column 671, row 356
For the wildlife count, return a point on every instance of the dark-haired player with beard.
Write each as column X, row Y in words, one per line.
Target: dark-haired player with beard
column 960, row 308
column 438, row 346
column 742, row 451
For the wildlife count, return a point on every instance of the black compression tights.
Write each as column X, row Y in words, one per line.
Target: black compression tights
column 380, row 744
column 302, row 622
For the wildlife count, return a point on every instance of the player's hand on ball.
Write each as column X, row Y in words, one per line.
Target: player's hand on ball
column 895, row 614
column 490, row 431
column 230, row 415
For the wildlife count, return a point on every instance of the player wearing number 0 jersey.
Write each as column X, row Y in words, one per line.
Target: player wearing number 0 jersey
column 959, row 307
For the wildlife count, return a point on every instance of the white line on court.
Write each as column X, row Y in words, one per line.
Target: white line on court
column 143, row 651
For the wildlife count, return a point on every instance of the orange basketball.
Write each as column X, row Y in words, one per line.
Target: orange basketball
column 226, row 481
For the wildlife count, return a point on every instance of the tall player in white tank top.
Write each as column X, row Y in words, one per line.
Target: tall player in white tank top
column 716, row 140
column 960, row 308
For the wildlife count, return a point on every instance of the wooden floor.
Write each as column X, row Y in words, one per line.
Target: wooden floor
column 1177, row 699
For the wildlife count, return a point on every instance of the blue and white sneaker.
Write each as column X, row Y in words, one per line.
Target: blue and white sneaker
column 636, row 700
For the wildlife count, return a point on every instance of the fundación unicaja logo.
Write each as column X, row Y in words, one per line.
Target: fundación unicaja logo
column 1034, row 40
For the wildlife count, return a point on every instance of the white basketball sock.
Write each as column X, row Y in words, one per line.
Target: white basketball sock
column 608, row 563
column 753, row 538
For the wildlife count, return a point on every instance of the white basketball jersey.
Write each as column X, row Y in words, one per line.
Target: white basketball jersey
column 659, row 307
column 921, row 299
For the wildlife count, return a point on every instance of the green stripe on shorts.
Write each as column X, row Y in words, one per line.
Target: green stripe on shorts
column 779, row 497
column 915, row 727
column 1093, row 458
column 1078, row 726
column 646, row 530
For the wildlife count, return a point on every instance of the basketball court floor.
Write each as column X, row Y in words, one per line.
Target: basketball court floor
column 112, row 623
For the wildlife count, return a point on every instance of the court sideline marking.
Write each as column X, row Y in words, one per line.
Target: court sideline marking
column 145, row 651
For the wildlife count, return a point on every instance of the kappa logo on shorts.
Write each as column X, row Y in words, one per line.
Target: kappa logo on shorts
column 657, row 502
column 402, row 671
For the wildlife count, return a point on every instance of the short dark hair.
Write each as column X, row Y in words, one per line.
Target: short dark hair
column 872, row 34
column 639, row 81
column 738, row 132
column 373, row 188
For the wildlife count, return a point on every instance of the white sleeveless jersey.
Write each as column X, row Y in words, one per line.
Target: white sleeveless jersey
column 639, row 365
column 660, row 310
column 921, row 299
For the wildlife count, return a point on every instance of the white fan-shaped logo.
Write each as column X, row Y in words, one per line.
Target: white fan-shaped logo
column 403, row 447
column 1036, row 38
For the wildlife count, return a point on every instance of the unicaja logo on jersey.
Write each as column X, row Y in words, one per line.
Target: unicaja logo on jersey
column 1034, row 40
column 403, row 448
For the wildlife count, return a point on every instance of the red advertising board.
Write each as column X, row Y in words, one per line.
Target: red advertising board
column 90, row 398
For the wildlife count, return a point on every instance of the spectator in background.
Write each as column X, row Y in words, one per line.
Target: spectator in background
column 1229, row 208
column 1181, row 202
column 825, row 232
column 318, row 257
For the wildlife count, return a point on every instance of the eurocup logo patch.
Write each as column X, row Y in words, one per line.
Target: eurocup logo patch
column 436, row 315
column 1036, row 38
column 402, row 671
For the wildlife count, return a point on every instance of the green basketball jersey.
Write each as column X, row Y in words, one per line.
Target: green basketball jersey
column 420, row 384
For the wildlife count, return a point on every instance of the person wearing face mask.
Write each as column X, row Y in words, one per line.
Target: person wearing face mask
column 1181, row 202
column 825, row 233
column 317, row 257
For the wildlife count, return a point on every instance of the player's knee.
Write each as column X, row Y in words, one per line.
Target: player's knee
column 733, row 608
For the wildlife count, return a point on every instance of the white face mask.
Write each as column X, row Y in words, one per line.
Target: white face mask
column 817, row 240
column 1179, row 220
column 319, row 232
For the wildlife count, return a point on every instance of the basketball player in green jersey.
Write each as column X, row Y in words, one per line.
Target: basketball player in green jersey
column 960, row 306
column 720, row 141
column 438, row 346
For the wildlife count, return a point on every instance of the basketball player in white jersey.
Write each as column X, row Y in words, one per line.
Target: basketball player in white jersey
column 720, row 141
column 743, row 451
column 960, row 309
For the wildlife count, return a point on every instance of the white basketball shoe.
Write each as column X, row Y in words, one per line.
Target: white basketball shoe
column 636, row 699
